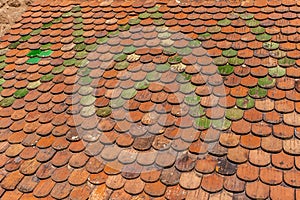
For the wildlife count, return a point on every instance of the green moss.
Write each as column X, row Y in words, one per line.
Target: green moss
column 187, row 88
column 225, row 69
column 234, row 114
column 214, row 29
column 144, row 15
column 45, row 53
column 86, row 80
column 257, row 92
column 196, row 111
column 20, row 93
column 175, row 59
column 57, row 20
column 80, row 47
column 120, row 57
column 153, row 76
column 33, row 60
column 246, row 16
column 84, row 71
column 204, row 36
column 102, row 40
column 286, row 62
column 45, row 46
column 159, row 22
column 224, row 22
column 69, row 62
column 81, row 55
column 156, row 15
column 164, row 35
column 258, row 30
column 245, row 103
column 129, row 93
column 7, row 102
column 129, row 50
column 266, row 82
column 91, row 47
column 142, row 85
column 263, row 37
column 68, row 14
column 14, row 45
column 153, row 9
column 229, row 53
column 124, row 27
column 78, row 20
column 220, row 60
column 235, row 61
column 33, row 85
column 36, row 32
column 163, row 67
column 104, row 112
column 113, row 33
column 78, row 26
column 76, row 9
column 34, row 53
column 202, row 123
column 270, row 45
column 134, row 21
column 192, row 99
column 252, row 23
column 277, row 71
column 87, row 100
column 170, row 51
column 116, row 103
column 47, row 78
column 221, row 124
column 2, row 80
column 78, row 40
column 184, row 51
column 25, row 38
column 47, row 25
column 121, row 65
column 194, row 43
column 183, row 77
column 78, row 33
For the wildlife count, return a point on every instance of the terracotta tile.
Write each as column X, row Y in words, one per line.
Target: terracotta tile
column 155, row 189
column 278, row 192
column 282, row 160
column 271, row 144
column 80, row 192
column 212, row 183
column 257, row 189
column 61, row 190
column 11, row 180
column 247, row 172
column 271, row 176
column 134, row 186
column 291, row 178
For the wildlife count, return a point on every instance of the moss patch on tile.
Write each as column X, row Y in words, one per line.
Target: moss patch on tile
column 234, row 114
column 20, row 93
column 202, row 123
column 246, row 102
column 225, row 69
column 286, row 62
column 47, row 78
column 224, row 22
column 263, row 37
column 104, row 112
column 258, row 92
column 6, row 102
column 121, row 65
column 270, row 45
column 266, row 82
column 276, row 72
column 142, row 85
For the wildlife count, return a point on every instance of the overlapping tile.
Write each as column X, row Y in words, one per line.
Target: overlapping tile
column 135, row 100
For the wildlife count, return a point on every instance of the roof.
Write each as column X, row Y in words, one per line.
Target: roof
column 142, row 100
